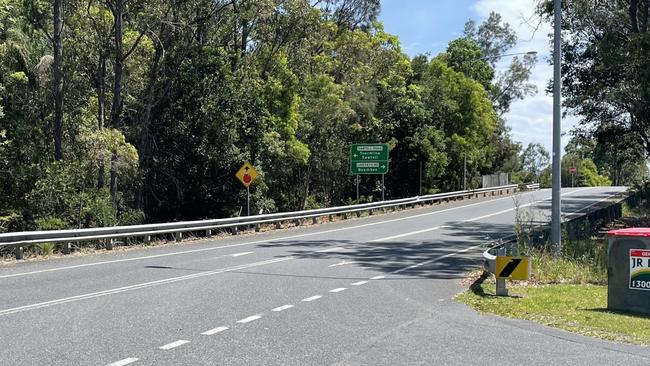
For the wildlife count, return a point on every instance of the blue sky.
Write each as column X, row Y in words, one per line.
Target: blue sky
column 426, row 26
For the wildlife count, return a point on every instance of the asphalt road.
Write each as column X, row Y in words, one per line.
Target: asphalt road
column 371, row 291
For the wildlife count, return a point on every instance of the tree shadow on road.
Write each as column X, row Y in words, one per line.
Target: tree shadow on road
column 447, row 258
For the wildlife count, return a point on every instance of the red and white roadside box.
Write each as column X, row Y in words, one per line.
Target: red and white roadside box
column 628, row 270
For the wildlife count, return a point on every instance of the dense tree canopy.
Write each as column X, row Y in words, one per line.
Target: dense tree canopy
column 606, row 82
column 124, row 111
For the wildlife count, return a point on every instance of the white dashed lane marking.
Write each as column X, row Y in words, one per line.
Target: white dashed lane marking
column 359, row 283
column 240, row 254
column 378, row 277
column 342, row 264
column 178, row 343
column 338, row 289
column 124, row 362
column 249, row 319
column 214, row 331
column 312, row 298
column 281, row 308
column 328, row 250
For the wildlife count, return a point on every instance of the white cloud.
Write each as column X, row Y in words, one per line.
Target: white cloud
column 531, row 119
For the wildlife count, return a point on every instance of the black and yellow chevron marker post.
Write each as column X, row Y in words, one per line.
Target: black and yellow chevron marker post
column 513, row 268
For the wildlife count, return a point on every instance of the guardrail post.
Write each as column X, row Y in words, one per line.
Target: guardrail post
column 109, row 244
column 314, row 220
column 370, row 212
column 297, row 222
column 257, row 228
column 278, row 225
column 147, row 239
column 20, row 253
column 66, row 248
column 501, row 283
column 330, row 218
column 358, row 213
column 235, row 230
column 178, row 236
column 208, row 233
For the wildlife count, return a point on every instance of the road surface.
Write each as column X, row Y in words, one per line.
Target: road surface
column 371, row 291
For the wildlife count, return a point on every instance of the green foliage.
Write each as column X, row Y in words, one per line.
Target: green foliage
column 51, row 223
column 606, row 81
column 11, row 221
column 155, row 131
column 590, row 177
column 46, row 248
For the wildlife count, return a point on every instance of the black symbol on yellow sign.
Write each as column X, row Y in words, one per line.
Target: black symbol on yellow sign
column 513, row 268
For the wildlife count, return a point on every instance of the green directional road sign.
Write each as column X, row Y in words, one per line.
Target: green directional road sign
column 369, row 159
column 369, row 167
column 365, row 152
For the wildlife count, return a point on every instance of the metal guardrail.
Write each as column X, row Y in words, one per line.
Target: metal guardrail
column 19, row 240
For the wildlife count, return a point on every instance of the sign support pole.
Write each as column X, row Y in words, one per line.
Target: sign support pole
column 572, row 175
column 358, row 188
column 248, row 201
column 383, row 187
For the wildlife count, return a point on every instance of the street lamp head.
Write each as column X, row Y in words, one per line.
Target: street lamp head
column 531, row 53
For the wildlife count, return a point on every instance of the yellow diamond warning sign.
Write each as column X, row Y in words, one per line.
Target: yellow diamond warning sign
column 513, row 268
column 246, row 174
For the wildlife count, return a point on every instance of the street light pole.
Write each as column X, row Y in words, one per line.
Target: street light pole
column 556, row 233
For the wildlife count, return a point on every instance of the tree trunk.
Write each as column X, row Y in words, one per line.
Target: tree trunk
column 144, row 146
column 634, row 7
column 114, row 179
column 117, row 8
column 57, row 45
column 116, row 107
column 645, row 5
column 101, row 114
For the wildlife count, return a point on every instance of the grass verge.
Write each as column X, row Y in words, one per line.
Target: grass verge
column 579, row 308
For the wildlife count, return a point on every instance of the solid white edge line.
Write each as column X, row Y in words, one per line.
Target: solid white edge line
column 214, row 331
column 312, row 298
column 172, row 345
column 190, row 251
column 124, row 362
column 249, row 319
column 338, row 289
column 140, row 286
column 281, row 308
